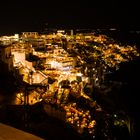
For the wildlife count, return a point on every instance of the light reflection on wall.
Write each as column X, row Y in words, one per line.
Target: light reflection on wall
column 59, row 66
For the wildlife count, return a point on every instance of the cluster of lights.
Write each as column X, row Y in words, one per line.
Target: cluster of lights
column 115, row 54
column 111, row 55
column 79, row 118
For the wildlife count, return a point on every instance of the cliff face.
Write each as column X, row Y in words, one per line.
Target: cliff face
column 3, row 68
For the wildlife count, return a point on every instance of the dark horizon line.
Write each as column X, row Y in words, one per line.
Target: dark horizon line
column 111, row 28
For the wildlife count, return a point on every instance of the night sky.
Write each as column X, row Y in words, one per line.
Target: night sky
column 29, row 15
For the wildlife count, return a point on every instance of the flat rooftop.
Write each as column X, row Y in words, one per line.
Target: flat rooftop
column 11, row 133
